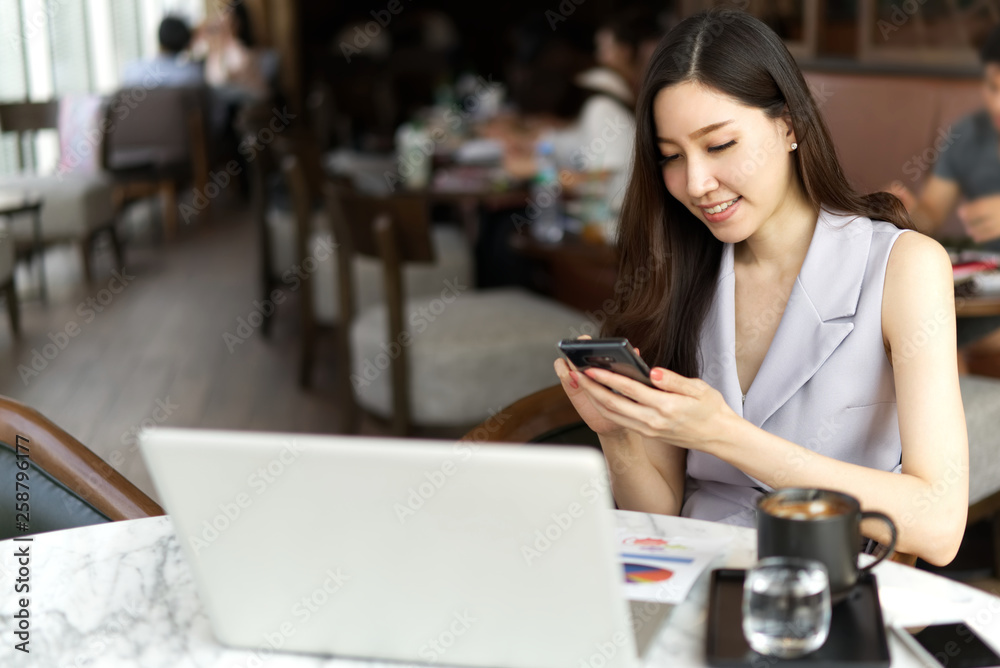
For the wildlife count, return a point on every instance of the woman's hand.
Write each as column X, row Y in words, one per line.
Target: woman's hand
column 685, row 412
column 577, row 387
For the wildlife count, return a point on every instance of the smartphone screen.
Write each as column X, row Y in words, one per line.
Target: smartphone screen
column 954, row 645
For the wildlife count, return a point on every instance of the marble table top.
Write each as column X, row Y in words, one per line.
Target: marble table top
column 121, row 594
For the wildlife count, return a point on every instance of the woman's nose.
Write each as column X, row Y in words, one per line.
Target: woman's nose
column 700, row 179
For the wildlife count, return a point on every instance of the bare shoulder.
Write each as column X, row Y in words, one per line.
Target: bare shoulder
column 916, row 257
column 918, row 285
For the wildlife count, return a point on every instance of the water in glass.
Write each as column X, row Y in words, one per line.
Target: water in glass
column 786, row 606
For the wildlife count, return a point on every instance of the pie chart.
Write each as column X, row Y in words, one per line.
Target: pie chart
column 641, row 574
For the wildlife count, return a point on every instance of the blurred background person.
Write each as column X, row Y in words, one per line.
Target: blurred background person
column 968, row 169
column 599, row 141
column 227, row 45
column 172, row 65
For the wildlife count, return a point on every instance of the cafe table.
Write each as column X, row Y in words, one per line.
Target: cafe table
column 121, row 594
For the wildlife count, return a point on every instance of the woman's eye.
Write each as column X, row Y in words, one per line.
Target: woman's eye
column 721, row 147
column 664, row 159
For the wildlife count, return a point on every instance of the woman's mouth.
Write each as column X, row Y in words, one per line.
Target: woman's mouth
column 722, row 211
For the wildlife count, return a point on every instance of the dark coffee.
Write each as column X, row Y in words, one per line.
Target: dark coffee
column 799, row 509
column 817, row 524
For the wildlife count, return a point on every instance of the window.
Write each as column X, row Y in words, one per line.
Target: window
column 73, row 46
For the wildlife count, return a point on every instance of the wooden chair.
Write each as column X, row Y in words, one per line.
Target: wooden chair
column 275, row 238
column 156, row 143
column 324, row 300
column 444, row 356
column 68, row 484
column 548, row 417
column 77, row 206
column 7, row 285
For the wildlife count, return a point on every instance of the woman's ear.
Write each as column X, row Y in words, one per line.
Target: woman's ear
column 788, row 128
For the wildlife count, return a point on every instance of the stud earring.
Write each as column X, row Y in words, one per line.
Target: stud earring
column 794, row 146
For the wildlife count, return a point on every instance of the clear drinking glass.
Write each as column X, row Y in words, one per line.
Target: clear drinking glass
column 786, row 606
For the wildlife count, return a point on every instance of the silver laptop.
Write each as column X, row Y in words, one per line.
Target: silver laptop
column 419, row 551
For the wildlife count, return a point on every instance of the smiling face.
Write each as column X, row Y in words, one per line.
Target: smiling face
column 728, row 163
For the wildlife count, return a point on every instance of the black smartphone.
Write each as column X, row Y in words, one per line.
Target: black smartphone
column 950, row 645
column 617, row 355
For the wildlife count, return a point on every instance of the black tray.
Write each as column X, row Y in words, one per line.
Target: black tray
column 857, row 633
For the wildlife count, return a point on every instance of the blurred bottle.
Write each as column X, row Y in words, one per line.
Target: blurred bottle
column 547, row 224
column 414, row 150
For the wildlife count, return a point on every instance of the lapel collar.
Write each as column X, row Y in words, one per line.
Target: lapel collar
column 718, row 345
column 814, row 323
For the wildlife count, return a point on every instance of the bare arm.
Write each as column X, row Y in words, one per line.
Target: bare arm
column 935, row 203
column 646, row 475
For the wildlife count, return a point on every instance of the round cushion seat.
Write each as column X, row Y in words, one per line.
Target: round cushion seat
column 470, row 353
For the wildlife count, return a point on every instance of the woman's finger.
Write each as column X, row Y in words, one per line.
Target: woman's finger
column 633, row 389
column 669, row 381
column 567, row 376
column 603, row 393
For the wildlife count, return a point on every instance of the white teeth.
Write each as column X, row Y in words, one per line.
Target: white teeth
column 721, row 207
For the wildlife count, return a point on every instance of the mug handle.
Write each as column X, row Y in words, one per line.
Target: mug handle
column 875, row 515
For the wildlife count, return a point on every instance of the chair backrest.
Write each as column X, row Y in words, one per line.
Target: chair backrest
column 71, row 466
column 29, row 116
column 393, row 230
column 262, row 163
column 154, row 127
column 409, row 218
column 25, row 119
column 547, row 416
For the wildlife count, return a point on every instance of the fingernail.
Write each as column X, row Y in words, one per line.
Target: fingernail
column 656, row 374
column 573, row 381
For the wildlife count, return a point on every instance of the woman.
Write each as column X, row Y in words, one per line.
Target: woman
column 230, row 60
column 798, row 340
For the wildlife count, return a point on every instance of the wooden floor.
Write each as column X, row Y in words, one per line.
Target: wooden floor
column 155, row 353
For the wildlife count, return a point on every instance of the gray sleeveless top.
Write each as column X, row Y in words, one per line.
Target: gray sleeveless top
column 825, row 382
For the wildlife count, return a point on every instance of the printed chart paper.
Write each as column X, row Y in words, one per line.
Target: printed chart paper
column 662, row 569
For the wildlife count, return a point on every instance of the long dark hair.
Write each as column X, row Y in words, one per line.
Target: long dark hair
column 669, row 259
